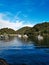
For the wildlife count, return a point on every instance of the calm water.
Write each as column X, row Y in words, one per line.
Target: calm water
column 20, row 52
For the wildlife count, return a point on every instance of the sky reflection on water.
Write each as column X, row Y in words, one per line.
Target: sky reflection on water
column 18, row 52
column 16, row 43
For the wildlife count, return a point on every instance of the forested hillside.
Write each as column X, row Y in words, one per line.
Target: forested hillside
column 7, row 30
column 42, row 28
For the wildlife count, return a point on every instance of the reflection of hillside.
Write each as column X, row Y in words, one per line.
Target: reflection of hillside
column 7, row 39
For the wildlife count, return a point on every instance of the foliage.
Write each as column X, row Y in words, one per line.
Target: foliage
column 23, row 30
column 42, row 28
column 7, row 30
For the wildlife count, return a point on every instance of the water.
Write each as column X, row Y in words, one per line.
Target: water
column 20, row 52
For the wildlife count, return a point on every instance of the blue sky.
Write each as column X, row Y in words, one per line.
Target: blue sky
column 19, row 13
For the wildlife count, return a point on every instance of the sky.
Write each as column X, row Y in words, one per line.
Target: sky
column 19, row 13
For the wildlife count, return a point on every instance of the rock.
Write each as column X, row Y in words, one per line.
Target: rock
column 40, row 37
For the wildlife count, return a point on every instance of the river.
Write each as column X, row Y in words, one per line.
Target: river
column 19, row 52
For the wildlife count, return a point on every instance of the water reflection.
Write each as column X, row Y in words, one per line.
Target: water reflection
column 17, row 52
column 40, row 43
column 15, row 43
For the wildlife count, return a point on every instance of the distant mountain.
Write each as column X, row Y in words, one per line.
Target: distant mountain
column 7, row 30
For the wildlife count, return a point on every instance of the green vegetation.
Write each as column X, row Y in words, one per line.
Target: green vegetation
column 42, row 28
column 7, row 31
column 23, row 30
column 32, row 32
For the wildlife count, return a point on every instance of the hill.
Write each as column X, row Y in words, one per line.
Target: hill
column 7, row 30
column 42, row 28
column 23, row 30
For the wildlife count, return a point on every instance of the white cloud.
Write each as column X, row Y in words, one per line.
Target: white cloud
column 10, row 24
